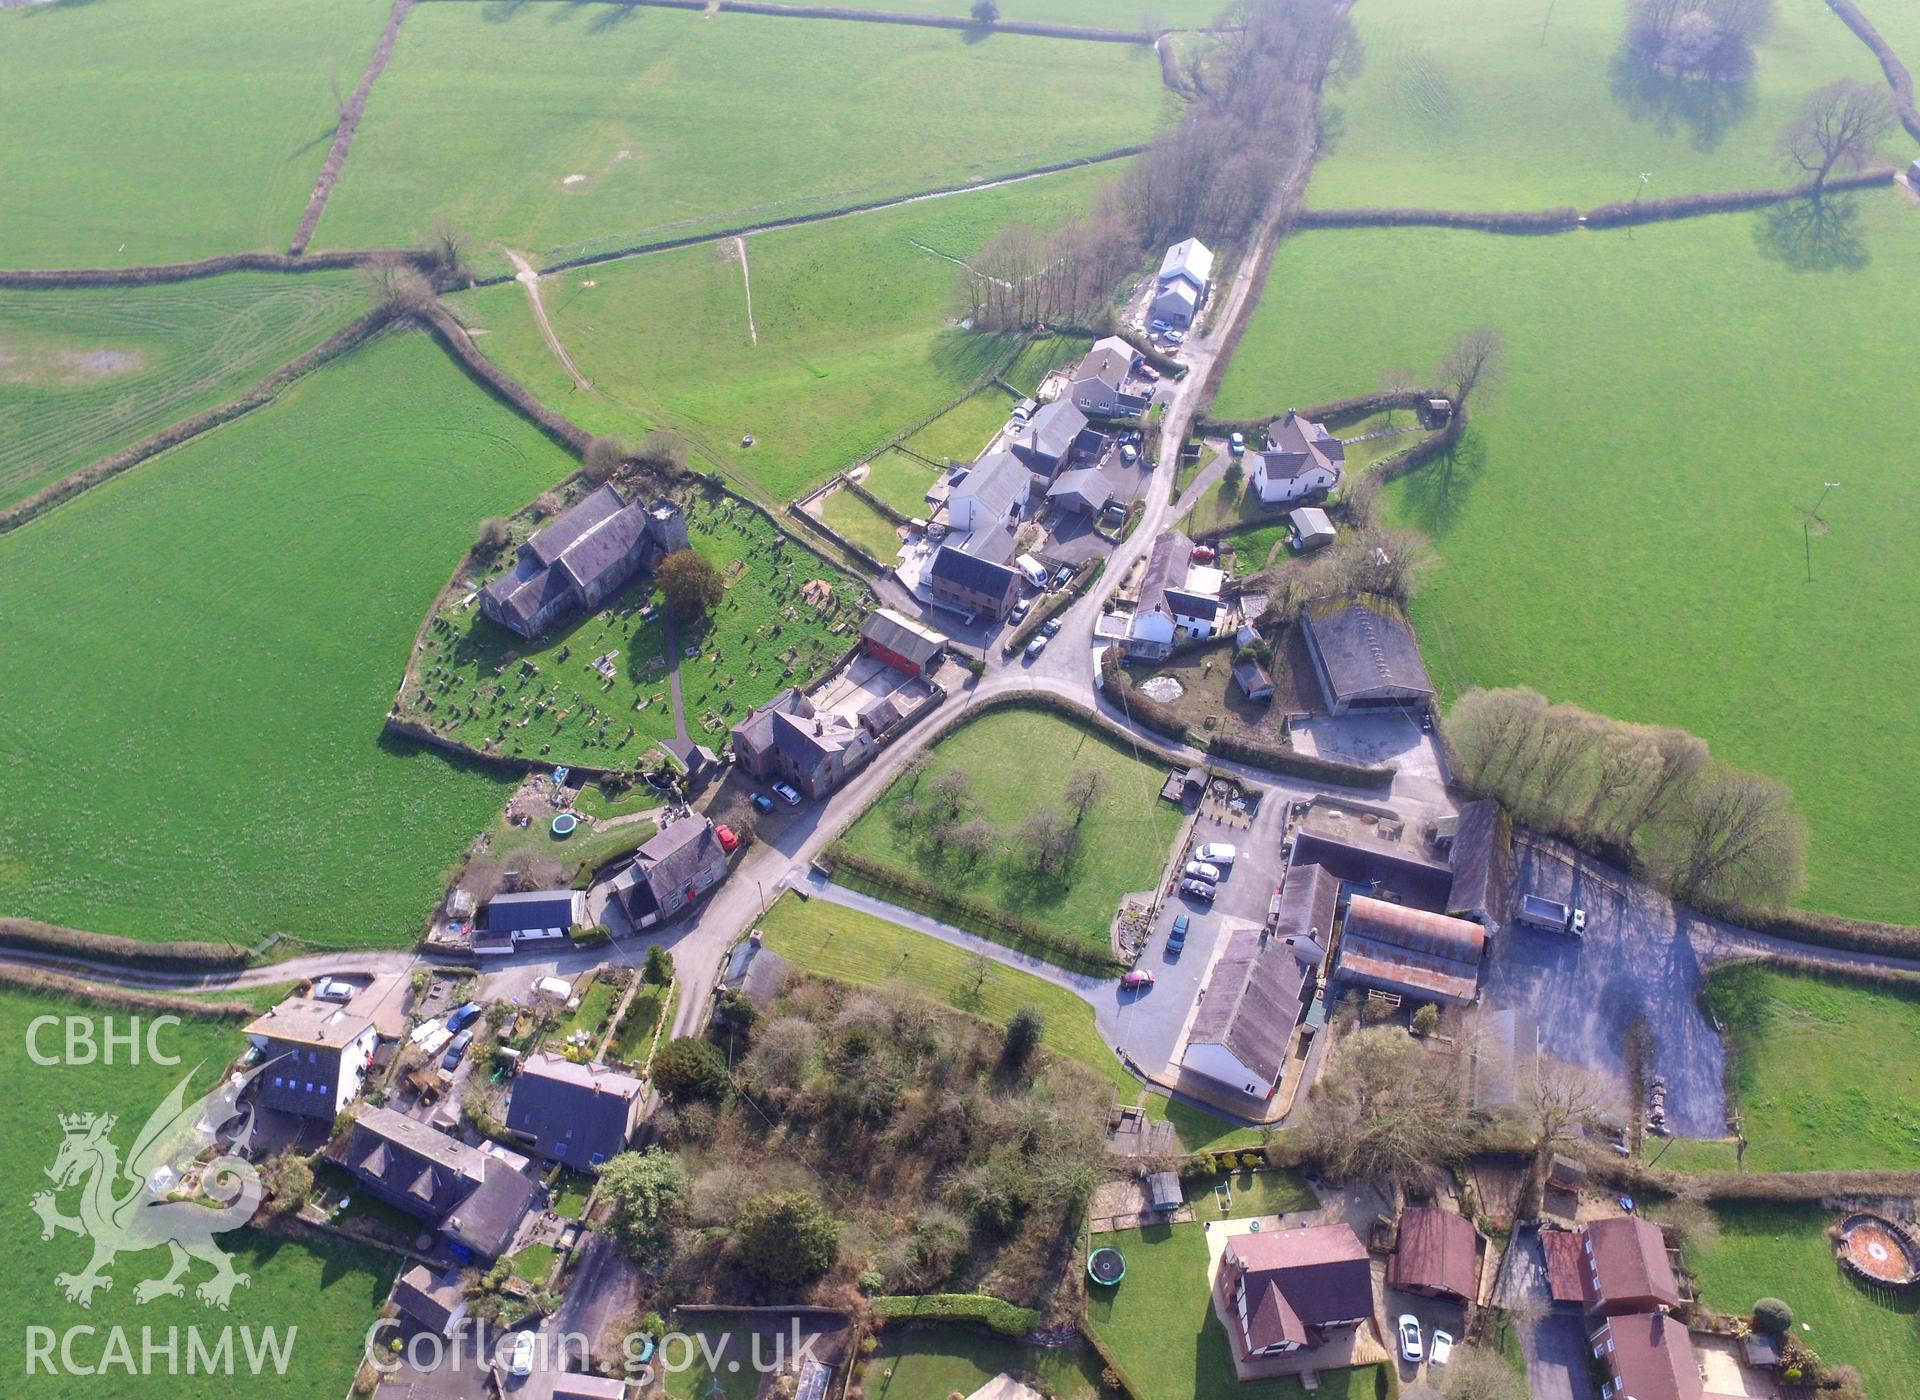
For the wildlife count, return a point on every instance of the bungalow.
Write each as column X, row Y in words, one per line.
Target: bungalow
column 437, row 1304
column 534, row 916
column 1176, row 596
column 573, row 1113
column 581, row 560
column 1301, row 458
column 1437, row 1255
column 1045, row 441
column 789, row 740
column 1365, row 656
column 475, row 1199
column 1311, row 528
column 1097, row 385
column 1185, row 273
column 1411, row 951
column 673, row 869
column 1253, row 680
column 902, row 643
column 1282, row 1291
column 314, row 1057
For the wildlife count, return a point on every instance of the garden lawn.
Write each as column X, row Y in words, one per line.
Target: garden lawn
column 852, row 342
column 570, row 1194
column 1018, row 761
column 330, row 1292
column 86, row 371
column 859, row 522
column 635, row 1037
column 194, row 748
column 1249, row 1193
column 1621, row 529
column 830, row 940
column 148, row 131
column 927, row 1363
column 1829, row 1072
column 763, row 637
column 533, row 1263
column 596, row 1005
column 1528, row 104
column 608, row 126
column 902, row 481
column 960, row 433
column 1159, row 1324
column 1781, row 1251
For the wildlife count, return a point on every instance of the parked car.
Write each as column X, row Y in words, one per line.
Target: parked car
column 729, row 839
column 1197, row 889
column 330, row 990
column 1129, row 453
column 1204, row 554
column 1063, row 576
column 1020, row 611
column 1136, row 979
column 762, row 802
column 463, row 1016
column 1158, row 326
column 456, row 1050
column 521, row 1363
column 1216, row 853
column 787, row 794
column 1175, row 337
column 1177, row 939
column 1409, row 1330
column 1442, row 1348
column 1200, row 870
column 1038, row 644
column 1237, row 443
column 1051, row 627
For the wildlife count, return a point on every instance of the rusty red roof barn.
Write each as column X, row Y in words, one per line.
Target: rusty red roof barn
column 1566, row 1266
column 1437, row 1255
column 1411, row 951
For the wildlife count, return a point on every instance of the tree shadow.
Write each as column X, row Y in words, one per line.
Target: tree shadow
column 1706, row 108
column 1818, row 234
column 1436, row 493
column 608, row 17
column 502, row 11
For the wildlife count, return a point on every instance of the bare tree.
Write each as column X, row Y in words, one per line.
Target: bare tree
column 1049, row 838
column 1738, row 840
column 602, row 458
column 398, row 285
column 1683, row 758
column 951, row 792
column 1476, row 359
column 971, row 840
column 1841, row 127
column 1560, row 1097
column 1084, row 786
column 1712, row 39
column 1481, row 1373
column 1626, row 759
column 1386, row 1109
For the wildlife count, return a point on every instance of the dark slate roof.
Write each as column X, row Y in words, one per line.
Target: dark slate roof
column 996, row 481
column 574, row 526
column 1436, row 1250
column 689, row 755
column 1366, row 645
column 1253, row 1002
column 902, row 636
column 755, row 732
column 487, row 1218
column 1110, row 361
column 1296, row 445
column 597, row 536
column 1478, row 873
column 1191, row 604
column 1050, row 433
column 1087, row 485
column 1308, row 900
column 412, row 1161
column 1414, row 881
column 1297, row 1280
column 1168, row 559
column 530, row 909
column 552, row 1094
column 670, row 859
column 430, row 1301
column 958, row 567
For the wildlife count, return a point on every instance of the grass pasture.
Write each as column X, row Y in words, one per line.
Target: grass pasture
column 1091, row 14
column 958, row 434
column 1019, row 761
column 860, row 522
column 87, row 371
column 147, row 131
column 763, row 637
column 1528, row 104
column 197, row 751
column 1781, row 1251
column 1624, row 486
column 851, row 342
column 610, row 125
column 925, row 1363
column 329, row 1292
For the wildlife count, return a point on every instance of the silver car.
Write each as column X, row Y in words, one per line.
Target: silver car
column 1200, row 870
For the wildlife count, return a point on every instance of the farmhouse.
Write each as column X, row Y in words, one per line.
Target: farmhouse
column 1364, row 655
column 789, row 739
column 581, row 560
column 474, row 1198
column 1178, row 598
column 1280, row 1291
column 973, row 585
column 1097, row 385
column 1255, row 993
column 1410, row 951
column 1301, row 458
column 670, row 871
column 1437, row 1255
column 902, row 643
column 1311, row 528
column 314, row 1055
column 1368, row 846
column 573, row 1113
column 1045, row 441
column 533, row 916
column 1181, row 287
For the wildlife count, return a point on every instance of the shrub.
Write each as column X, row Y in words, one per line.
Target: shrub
column 1000, row 1315
column 1427, row 1019
column 1024, row 1033
column 690, row 1069
column 649, row 1194
column 1771, row 1317
column 601, row 459
column 786, row 1238
column 659, row 969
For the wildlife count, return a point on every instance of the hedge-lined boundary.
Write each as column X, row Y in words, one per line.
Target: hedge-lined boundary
column 1139, row 709
column 922, row 21
column 1829, row 930
column 265, row 392
column 1109, row 1360
column 1357, row 406
column 1687, row 206
column 1561, row 220
column 888, row 511
column 497, row 382
column 1424, row 451
column 1898, row 78
column 814, row 522
column 349, row 123
column 1057, row 603
column 31, row 936
column 58, row 985
column 1293, row 763
column 1753, row 1186
column 1002, row 1316
column 30, row 279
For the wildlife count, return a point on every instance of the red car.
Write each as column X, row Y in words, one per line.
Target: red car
column 1135, row 980
column 1203, row 553
column 729, row 842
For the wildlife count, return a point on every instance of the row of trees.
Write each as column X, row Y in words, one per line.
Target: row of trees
column 1046, row 840
column 1707, row 831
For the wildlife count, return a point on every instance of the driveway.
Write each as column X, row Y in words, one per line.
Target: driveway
column 1556, row 1346
column 1638, row 958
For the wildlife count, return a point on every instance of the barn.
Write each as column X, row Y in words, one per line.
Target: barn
column 1365, row 656
column 902, row 643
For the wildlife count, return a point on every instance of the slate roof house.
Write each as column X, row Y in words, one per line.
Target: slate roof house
column 679, row 864
column 314, row 1054
column 990, row 496
column 1176, row 595
column 1437, row 1255
column 972, row 571
column 437, row 1304
column 534, row 916
column 1301, row 458
column 1365, row 656
column 1047, row 439
column 1280, row 1291
column 1185, row 273
column 1085, row 490
column 587, row 554
column 1098, row 383
column 573, row 1113
column 789, row 740
column 1256, row 992
column 1411, row 951
column 973, row 584
column 902, row 643
column 475, row 1199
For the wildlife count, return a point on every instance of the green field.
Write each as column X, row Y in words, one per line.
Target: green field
column 147, row 131
column 195, row 749
column 330, row 1293
column 901, row 481
column 852, row 339
column 957, row 435
column 1781, row 1251
column 1019, row 761
column 1499, row 108
column 1093, row 14
column 678, row 124
column 1160, row 1325
column 929, row 1363
column 86, row 371
column 1829, row 1071
column 1627, row 483
column 859, row 522
column 762, row 638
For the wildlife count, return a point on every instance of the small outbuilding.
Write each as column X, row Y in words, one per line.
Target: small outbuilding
column 1437, row 1255
column 904, row 644
column 1163, row 1189
column 1253, row 680
column 437, row 1304
column 1312, row 529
